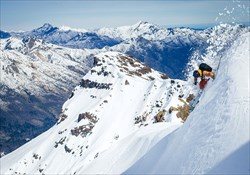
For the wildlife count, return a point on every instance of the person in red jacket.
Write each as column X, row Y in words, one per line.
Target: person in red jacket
column 203, row 72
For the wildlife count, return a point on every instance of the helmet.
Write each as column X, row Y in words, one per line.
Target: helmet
column 196, row 74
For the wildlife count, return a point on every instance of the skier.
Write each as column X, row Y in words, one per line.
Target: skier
column 203, row 72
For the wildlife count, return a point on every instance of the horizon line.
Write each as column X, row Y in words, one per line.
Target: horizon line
column 192, row 26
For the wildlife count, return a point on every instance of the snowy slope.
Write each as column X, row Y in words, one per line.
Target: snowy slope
column 111, row 111
column 215, row 138
column 30, row 56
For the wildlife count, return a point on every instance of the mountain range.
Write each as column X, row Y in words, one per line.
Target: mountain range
column 141, row 40
column 40, row 68
column 125, row 117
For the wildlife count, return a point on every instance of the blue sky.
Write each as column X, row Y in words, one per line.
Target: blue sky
column 26, row 15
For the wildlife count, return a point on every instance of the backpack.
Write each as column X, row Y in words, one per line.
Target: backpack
column 204, row 66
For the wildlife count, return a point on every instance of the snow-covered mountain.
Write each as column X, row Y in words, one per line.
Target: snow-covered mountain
column 215, row 139
column 68, row 37
column 36, row 78
column 151, row 44
column 142, row 28
column 108, row 125
column 166, row 50
column 118, row 97
column 159, row 54
column 158, row 47
column 153, row 32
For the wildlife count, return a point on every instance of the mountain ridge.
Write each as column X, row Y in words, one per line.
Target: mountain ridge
column 106, row 90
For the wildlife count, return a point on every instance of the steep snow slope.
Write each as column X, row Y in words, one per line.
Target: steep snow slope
column 36, row 79
column 215, row 138
column 111, row 111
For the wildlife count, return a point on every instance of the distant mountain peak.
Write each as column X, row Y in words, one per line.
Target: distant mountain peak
column 45, row 29
column 47, row 25
column 142, row 22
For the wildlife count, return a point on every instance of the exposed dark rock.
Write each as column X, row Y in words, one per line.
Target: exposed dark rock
column 87, row 115
column 145, row 70
column 72, row 94
column 93, row 71
column 92, row 84
column 116, row 137
column 67, row 149
column 164, row 76
column 126, row 82
column 182, row 111
column 83, row 130
column 151, row 78
column 62, row 117
column 96, row 155
column 160, row 116
column 190, row 97
column 141, row 119
column 61, row 141
column 181, row 95
column 96, row 60
column 36, row 156
column 103, row 72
